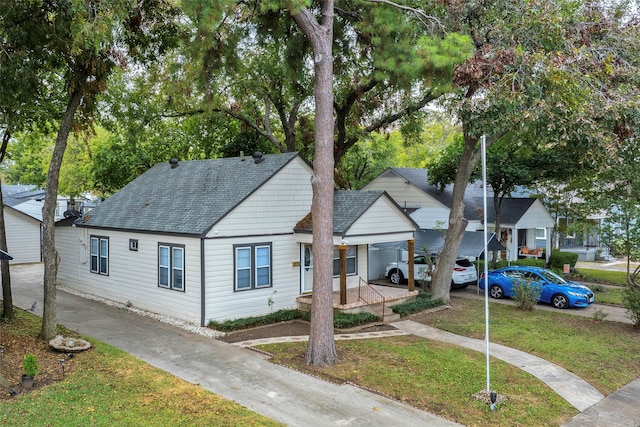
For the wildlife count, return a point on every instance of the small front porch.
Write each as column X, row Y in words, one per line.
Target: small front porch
column 370, row 298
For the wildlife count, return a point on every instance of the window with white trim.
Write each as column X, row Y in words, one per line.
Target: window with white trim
column 99, row 254
column 171, row 266
column 541, row 233
column 351, row 261
column 252, row 266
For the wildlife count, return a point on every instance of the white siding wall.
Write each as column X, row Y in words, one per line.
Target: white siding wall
column 133, row 275
column 431, row 217
column 223, row 302
column 276, row 207
column 405, row 195
column 380, row 219
column 23, row 237
column 536, row 217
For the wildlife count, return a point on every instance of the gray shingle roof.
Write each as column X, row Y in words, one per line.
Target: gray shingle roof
column 511, row 210
column 418, row 177
column 187, row 199
column 348, row 207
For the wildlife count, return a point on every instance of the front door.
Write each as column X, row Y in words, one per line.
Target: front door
column 306, row 278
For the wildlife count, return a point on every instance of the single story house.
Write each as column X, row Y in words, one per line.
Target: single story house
column 23, row 219
column 219, row 239
column 525, row 222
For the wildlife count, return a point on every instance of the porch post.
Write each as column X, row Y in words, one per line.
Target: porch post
column 411, row 278
column 343, row 274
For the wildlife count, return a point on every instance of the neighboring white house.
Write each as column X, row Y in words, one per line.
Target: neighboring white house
column 23, row 220
column 525, row 222
column 218, row 239
column 23, row 234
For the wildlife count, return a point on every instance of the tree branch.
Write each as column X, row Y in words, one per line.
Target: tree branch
column 421, row 15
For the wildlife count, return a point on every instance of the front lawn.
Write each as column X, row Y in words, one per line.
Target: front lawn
column 105, row 387
column 441, row 378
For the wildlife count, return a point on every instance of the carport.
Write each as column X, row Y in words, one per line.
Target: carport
column 431, row 242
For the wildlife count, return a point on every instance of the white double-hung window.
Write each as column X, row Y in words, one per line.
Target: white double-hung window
column 252, row 266
column 171, row 266
column 99, row 255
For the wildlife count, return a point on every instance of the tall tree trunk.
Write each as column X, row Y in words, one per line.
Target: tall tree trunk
column 50, row 254
column 441, row 283
column 321, row 350
column 7, row 298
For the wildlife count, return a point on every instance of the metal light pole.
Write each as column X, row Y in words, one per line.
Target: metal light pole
column 486, row 269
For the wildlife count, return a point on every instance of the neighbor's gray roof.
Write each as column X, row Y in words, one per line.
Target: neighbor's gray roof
column 349, row 206
column 511, row 210
column 187, row 199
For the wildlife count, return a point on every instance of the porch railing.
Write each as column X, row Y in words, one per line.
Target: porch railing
column 371, row 297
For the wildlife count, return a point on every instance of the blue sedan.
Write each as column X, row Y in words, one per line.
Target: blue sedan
column 555, row 290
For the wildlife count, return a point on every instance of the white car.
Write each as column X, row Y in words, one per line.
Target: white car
column 464, row 272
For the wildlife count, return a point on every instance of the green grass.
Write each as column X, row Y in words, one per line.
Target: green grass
column 608, row 294
column 605, row 354
column 618, row 278
column 110, row 388
column 439, row 378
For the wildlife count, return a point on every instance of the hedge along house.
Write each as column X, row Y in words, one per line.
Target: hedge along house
column 206, row 239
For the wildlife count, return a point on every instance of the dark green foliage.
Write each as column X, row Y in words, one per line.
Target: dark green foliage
column 30, row 365
column 252, row 322
column 340, row 320
column 526, row 294
column 350, row 320
column 632, row 302
column 422, row 302
column 558, row 259
column 531, row 262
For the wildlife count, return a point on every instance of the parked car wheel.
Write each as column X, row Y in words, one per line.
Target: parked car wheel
column 396, row 276
column 560, row 301
column 496, row 291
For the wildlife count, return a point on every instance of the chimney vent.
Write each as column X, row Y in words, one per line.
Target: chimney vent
column 174, row 163
column 257, row 157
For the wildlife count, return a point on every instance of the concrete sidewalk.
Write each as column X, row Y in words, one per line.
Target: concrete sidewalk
column 237, row 374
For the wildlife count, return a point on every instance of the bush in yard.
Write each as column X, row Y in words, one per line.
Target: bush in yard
column 558, row 259
column 422, row 302
column 252, row 322
column 632, row 302
column 526, row 294
column 350, row 320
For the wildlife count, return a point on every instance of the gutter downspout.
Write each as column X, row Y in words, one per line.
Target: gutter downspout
column 202, row 284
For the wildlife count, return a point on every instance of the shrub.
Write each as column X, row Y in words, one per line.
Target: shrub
column 340, row 320
column 558, row 259
column 526, row 294
column 252, row 322
column 632, row 302
column 30, row 365
column 422, row 302
column 350, row 320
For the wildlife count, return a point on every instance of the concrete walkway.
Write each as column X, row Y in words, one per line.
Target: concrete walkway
column 573, row 389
